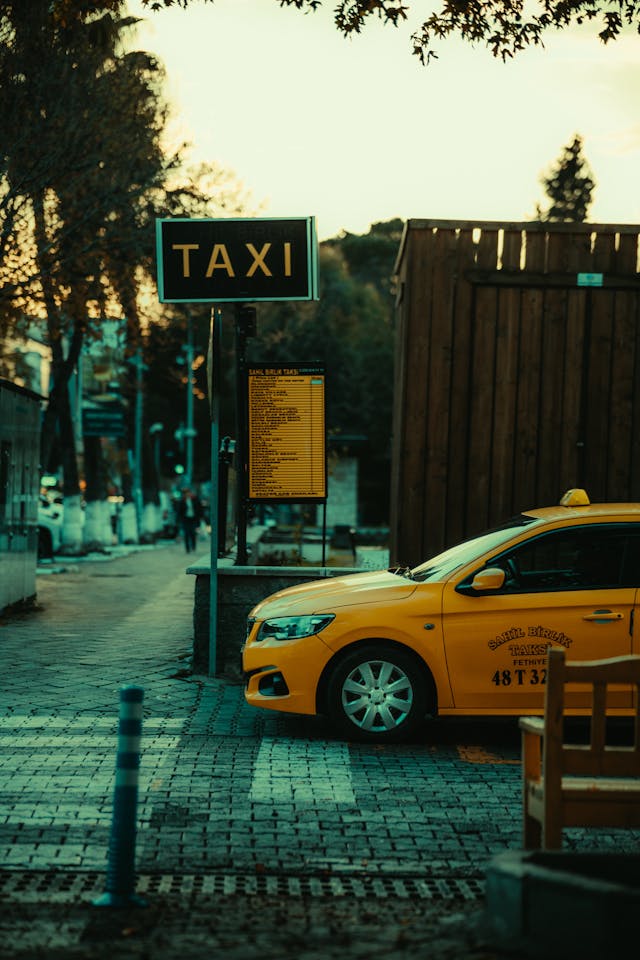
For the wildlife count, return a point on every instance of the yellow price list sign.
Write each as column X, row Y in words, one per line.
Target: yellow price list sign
column 287, row 438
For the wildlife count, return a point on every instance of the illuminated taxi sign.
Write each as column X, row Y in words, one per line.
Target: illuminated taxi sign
column 575, row 498
column 246, row 259
column 287, row 438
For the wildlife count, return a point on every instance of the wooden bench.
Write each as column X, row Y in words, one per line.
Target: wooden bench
column 596, row 784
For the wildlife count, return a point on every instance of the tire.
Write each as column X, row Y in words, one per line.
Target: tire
column 377, row 693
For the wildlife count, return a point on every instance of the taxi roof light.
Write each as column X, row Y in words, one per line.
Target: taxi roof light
column 575, row 498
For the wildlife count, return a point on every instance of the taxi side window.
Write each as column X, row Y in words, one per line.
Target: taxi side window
column 585, row 558
column 631, row 564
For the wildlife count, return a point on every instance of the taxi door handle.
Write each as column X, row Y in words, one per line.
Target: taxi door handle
column 602, row 616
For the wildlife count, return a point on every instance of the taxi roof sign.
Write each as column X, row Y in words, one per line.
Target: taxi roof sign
column 575, row 498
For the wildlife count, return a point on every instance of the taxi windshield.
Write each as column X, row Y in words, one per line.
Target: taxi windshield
column 444, row 564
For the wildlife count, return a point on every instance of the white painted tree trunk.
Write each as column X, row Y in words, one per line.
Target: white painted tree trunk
column 73, row 522
column 128, row 523
column 151, row 523
column 93, row 531
column 107, row 535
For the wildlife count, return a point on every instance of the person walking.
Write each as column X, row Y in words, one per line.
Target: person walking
column 189, row 511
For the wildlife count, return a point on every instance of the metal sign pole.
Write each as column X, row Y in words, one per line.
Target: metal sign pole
column 245, row 328
column 214, row 399
column 324, row 533
column 189, row 431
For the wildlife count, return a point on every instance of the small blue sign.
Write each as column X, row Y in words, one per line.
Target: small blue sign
column 590, row 279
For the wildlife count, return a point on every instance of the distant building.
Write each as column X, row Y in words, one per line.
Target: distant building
column 26, row 359
column 19, row 490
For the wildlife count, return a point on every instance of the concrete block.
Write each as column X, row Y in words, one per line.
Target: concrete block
column 558, row 905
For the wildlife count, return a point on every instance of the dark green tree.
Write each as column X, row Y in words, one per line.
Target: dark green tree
column 370, row 257
column 350, row 329
column 74, row 97
column 569, row 187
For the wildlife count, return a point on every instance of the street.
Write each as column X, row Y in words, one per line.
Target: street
column 234, row 803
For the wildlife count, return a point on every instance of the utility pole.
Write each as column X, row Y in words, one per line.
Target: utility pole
column 137, row 456
column 155, row 431
column 189, row 431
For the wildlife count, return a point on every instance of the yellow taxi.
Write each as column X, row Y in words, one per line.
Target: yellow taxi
column 463, row 634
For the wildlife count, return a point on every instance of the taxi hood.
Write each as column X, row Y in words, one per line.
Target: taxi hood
column 324, row 596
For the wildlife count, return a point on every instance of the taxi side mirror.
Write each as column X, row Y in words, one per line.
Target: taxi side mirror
column 491, row 578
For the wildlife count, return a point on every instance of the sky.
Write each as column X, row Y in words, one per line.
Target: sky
column 357, row 131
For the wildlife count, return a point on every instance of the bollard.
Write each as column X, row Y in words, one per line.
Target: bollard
column 120, row 881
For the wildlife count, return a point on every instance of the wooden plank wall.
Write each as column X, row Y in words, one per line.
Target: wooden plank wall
column 512, row 382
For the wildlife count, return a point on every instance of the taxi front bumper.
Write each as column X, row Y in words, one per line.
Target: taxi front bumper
column 284, row 675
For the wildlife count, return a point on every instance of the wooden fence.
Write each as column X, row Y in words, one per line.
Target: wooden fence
column 517, row 374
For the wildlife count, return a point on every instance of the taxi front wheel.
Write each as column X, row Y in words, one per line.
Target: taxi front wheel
column 377, row 693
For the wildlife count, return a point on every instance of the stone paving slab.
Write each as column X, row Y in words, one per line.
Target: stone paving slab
column 223, row 787
column 259, row 835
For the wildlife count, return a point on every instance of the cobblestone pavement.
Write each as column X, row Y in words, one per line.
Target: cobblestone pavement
column 260, row 835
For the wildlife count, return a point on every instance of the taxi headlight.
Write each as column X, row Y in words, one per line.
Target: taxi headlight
column 293, row 628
